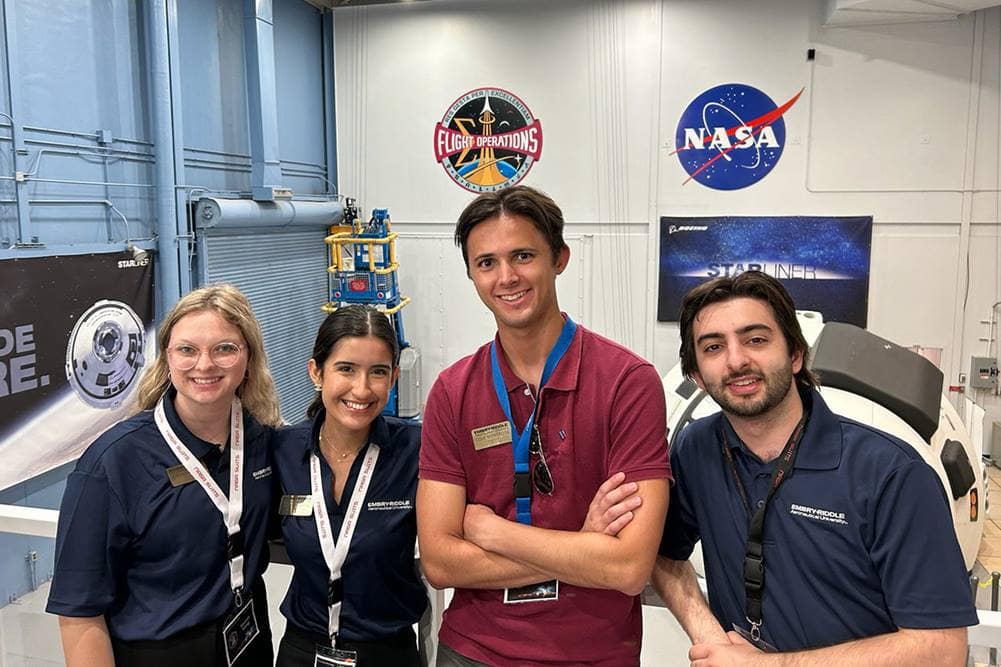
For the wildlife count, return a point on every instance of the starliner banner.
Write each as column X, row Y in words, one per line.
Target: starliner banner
column 75, row 332
column 822, row 261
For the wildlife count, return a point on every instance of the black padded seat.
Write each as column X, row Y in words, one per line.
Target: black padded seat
column 855, row 360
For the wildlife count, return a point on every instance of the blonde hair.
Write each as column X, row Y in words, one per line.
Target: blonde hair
column 257, row 391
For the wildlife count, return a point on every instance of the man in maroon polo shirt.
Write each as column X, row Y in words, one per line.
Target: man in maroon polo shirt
column 517, row 439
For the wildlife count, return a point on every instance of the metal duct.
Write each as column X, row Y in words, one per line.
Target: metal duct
column 213, row 213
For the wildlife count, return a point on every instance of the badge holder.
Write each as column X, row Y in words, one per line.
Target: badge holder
column 758, row 643
column 240, row 629
column 334, row 657
column 544, row 591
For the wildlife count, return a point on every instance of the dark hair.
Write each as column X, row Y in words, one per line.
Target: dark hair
column 752, row 285
column 535, row 205
column 351, row 322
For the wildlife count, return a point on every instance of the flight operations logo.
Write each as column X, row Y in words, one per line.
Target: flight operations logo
column 731, row 136
column 487, row 140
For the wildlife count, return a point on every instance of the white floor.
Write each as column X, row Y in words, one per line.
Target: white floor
column 30, row 638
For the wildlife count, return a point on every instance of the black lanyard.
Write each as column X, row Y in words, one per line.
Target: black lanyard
column 754, row 563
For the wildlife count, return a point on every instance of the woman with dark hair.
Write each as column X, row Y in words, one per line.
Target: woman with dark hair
column 348, row 479
column 162, row 532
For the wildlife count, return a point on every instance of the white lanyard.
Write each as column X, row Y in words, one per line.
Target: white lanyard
column 231, row 508
column 336, row 555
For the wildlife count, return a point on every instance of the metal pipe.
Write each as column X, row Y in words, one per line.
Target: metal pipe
column 171, row 252
column 108, row 151
column 70, row 182
column 241, row 162
column 995, row 576
column 330, row 119
column 262, row 100
column 82, row 202
column 217, row 213
column 218, row 167
column 24, row 235
column 295, row 174
column 182, row 223
column 85, row 135
column 212, row 152
column 305, row 164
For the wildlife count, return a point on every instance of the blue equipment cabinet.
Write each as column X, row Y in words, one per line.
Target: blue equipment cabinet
column 363, row 271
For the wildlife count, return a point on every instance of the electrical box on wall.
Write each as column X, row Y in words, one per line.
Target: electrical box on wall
column 983, row 373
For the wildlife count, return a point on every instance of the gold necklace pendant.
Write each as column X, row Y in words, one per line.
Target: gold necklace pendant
column 340, row 456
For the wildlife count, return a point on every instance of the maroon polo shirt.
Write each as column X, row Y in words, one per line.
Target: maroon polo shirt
column 602, row 412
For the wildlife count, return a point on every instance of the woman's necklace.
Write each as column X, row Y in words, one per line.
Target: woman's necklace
column 339, row 456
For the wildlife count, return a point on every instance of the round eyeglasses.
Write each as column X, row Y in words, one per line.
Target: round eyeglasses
column 184, row 356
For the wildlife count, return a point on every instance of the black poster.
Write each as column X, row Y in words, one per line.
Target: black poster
column 75, row 331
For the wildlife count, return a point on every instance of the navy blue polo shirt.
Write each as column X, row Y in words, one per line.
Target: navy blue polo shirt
column 383, row 594
column 858, row 541
column 149, row 556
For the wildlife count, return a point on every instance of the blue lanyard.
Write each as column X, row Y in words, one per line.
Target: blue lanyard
column 520, row 439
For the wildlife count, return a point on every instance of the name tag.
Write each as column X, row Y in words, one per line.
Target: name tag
column 179, row 476
column 492, row 435
column 296, row 506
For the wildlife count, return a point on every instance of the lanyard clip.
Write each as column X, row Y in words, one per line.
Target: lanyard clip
column 754, row 572
column 522, row 485
column 755, row 629
column 234, row 545
column 238, row 597
column 335, row 591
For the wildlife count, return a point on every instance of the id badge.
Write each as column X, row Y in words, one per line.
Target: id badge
column 239, row 631
column 334, row 657
column 759, row 643
column 544, row 591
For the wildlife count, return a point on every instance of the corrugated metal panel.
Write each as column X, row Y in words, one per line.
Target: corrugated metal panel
column 284, row 275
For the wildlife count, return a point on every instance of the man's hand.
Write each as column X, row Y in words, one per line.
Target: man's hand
column 739, row 653
column 476, row 524
column 610, row 511
column 612, row 507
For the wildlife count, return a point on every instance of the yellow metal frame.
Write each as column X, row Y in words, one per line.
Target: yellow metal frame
column 349, row 235
column 348, row 238
column 330, row 307
column 379, row 272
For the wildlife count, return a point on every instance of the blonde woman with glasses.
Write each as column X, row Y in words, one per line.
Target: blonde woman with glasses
column 162, row 533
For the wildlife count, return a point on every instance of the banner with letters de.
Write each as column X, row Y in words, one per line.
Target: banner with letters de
column 822, row 261
column 75, row 332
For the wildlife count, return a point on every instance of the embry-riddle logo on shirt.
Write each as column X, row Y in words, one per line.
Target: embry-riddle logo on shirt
column 731, row 136
column 487, row 140
column 818, row 514
column 389, row 505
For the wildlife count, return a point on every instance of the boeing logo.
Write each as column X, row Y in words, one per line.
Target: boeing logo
column 673, row 229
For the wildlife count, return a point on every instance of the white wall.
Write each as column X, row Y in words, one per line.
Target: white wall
column 899, row 122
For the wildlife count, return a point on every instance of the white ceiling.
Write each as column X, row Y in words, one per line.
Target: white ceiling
column 875, row 12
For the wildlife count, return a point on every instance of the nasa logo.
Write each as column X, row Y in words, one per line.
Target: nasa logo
column 731, row 136
column 487, row 140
